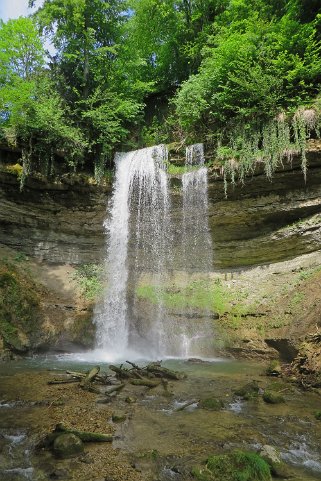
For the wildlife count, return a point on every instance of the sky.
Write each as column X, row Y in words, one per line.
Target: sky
column 13, row 8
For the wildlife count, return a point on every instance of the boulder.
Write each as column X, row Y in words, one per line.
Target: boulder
column 272, row 397
column 67, row 446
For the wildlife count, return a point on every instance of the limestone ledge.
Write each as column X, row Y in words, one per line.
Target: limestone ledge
column 259, row 222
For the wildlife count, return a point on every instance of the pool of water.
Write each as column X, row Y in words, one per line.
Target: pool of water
column 159, row 436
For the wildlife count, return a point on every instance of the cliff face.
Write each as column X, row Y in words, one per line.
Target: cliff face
column 58, row 223
column 263, row 221
column 259, row 222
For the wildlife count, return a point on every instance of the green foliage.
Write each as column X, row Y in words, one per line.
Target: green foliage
column 242, row 75
column 198, row 294
column 89, row 278
column 19, row 305
column 15, row 169
column 256, row 66
column 249, row 391
column 236, row 466
column 271, row 397
column 211, row 404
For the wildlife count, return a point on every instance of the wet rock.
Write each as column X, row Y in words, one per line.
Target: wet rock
column 67, row 446
column 130, row 400
column 278, row 468
column 271, row 397
column 211, row 404
column 59, row 474
column 196, row 360
column 274, row 368
column 118, row 417
column 270, row 454
column 249, row 391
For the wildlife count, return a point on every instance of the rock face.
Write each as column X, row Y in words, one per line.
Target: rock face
column 263, row 222
column 260, row 222
column 58, row 223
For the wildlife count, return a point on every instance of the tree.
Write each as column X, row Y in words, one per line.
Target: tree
column 33, row 116
column 89, row 69
column 21, row 59
column 255, row 65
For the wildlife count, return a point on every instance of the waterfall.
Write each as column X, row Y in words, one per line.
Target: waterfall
column 196, row 247
column 140, row 198
column 196, row 242
column 140, row 242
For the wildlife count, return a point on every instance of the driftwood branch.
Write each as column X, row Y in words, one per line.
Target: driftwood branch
column 62, row 381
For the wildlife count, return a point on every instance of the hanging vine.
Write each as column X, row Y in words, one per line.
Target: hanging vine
column 268, row 144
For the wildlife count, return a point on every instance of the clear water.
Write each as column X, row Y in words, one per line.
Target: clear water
column 181, row 438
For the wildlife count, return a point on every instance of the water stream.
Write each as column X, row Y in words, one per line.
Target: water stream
column 160, row 441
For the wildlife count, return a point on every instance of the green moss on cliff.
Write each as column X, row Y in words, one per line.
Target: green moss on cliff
column 19, row 305
column 200, row 294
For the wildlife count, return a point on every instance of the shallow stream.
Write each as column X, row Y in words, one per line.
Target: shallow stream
column 160, row 441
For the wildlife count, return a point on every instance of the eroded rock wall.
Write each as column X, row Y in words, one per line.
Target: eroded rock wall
column 262, row 221
column 258, row 222
column 59, row 223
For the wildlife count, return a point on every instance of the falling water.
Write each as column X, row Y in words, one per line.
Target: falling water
column 140, row 199
column 139, row 229
column 196, row 247
column 196, row 244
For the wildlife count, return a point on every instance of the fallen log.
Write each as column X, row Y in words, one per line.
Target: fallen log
column 120, row 372
column 85, row 436
column 145, row 382
column 102, row 378
column 80, row 375
column 184, row 406
column 62, row 381
column 115, row 389
column 90, row 376
column 160, row 371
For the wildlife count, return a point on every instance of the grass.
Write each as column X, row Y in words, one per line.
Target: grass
column 236, row 466
column 173, row 169
column 89, row 279
column 203, row 295
column 206, row 296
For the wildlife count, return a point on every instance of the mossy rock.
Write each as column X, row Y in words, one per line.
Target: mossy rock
column 248, row 391
column 236, row 466
column 271, row 397
column 278, row 468
column 19, row 308
column 67, row 446
column 118, row 417
column 274, row 368
column 211, row 404
column 13, row 337
column 317, row 415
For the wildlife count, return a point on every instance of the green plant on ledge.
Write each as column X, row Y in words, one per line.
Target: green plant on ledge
column 89, row 277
